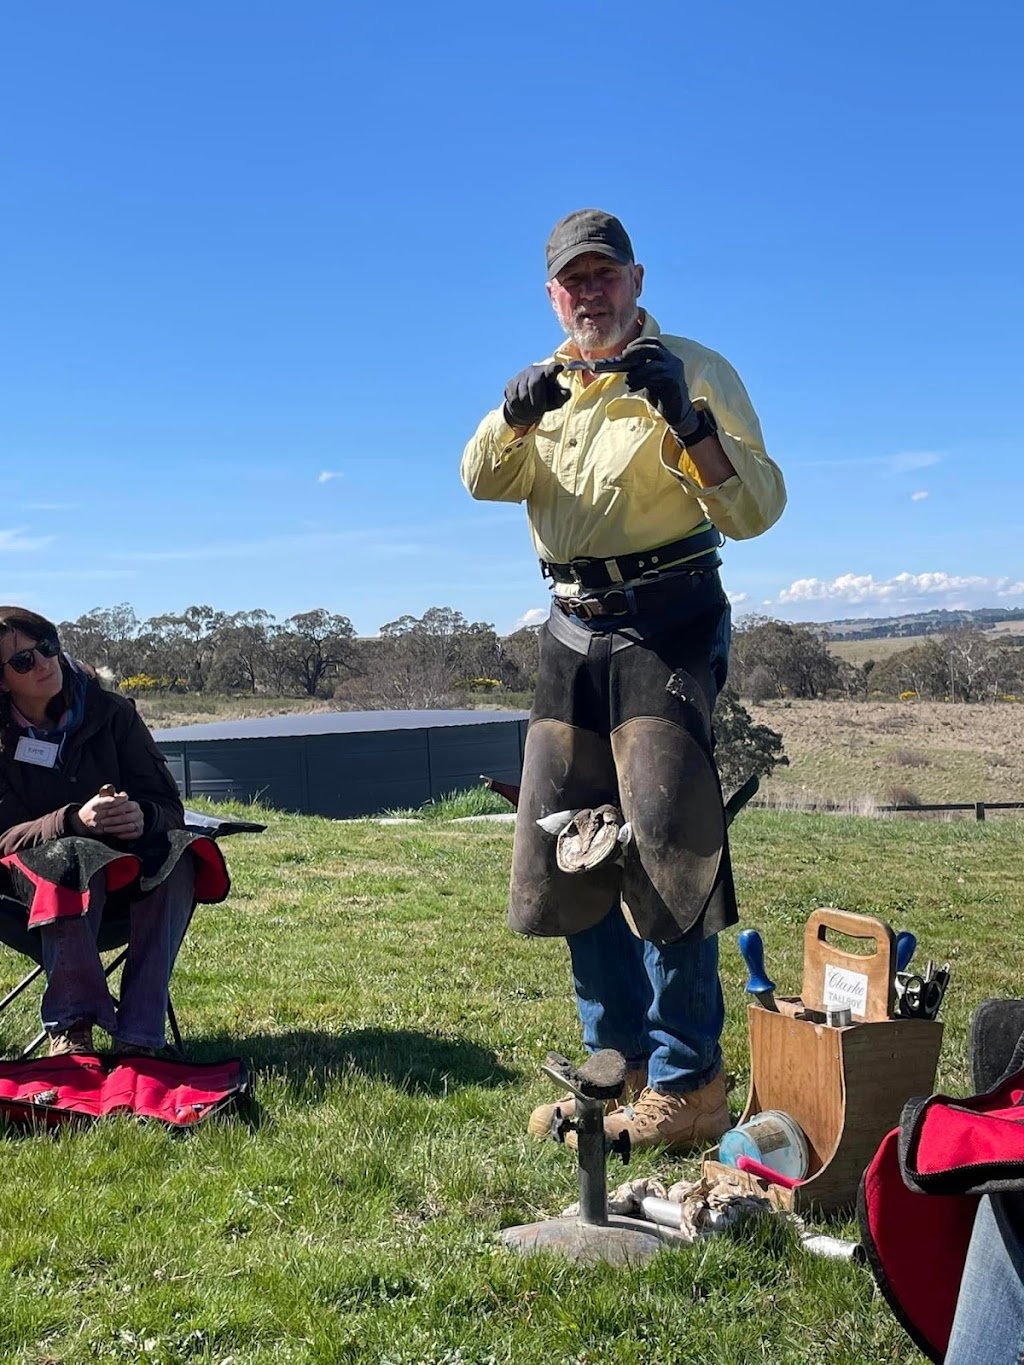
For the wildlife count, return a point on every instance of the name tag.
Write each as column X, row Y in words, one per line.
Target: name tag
column 38, row 751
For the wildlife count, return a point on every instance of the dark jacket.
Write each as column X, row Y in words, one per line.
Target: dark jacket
column 111, row 745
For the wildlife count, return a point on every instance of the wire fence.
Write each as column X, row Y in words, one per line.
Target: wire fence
column 979, row 808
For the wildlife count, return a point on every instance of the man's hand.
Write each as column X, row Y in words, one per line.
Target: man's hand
column 110, row 817
column 533, row 392
column 655, row 371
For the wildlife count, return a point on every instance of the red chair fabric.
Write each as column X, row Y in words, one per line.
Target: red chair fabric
column 51, row 1091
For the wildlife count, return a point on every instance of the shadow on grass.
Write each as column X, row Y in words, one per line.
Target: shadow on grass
column 418, row 1063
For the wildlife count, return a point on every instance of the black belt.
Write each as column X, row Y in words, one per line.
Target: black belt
column 643, row 598
column 606, row 573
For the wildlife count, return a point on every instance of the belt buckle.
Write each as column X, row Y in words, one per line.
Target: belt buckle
column 572, row 606
column 586, row 608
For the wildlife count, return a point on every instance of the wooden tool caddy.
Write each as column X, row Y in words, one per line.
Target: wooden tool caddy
column 845, row 1086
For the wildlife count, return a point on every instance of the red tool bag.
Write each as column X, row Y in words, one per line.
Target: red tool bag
column 919, row 1196
column 51, row 1091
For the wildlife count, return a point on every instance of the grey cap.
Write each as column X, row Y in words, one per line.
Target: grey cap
column 587, row 230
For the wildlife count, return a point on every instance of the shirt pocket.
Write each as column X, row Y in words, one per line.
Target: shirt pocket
column 628, row 445
column 547, row 438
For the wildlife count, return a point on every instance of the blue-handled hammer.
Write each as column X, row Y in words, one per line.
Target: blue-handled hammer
column 758, row 983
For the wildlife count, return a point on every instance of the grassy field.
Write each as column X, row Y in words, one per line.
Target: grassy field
column 857, row 651
column 876, row 752
column 161, row 710
column 394, row 1028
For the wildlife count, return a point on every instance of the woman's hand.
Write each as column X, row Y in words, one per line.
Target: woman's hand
column 110, row 817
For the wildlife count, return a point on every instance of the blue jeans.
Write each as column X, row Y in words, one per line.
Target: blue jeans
column 659, row 1005
column 989, row 1322
column 77, row 989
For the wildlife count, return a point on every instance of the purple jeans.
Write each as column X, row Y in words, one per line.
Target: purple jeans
column 77, row 989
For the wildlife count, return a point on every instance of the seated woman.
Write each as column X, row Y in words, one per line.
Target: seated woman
column 89, row 810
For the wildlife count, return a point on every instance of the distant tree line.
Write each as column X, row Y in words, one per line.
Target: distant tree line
column 935, row 622
column 774, row 659
column 415, row 661
column 441, row 657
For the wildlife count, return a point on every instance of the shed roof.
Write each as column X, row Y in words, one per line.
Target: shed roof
column 331, row 723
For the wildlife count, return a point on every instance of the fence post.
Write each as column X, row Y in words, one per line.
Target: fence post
column 979, row 810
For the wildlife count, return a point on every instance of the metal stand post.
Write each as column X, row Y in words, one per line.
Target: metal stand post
column 594, row 1235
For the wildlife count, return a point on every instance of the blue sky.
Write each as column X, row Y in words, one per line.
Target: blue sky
column 267, row 264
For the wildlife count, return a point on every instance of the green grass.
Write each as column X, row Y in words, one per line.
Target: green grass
column 393, row 1028
column 456, row 806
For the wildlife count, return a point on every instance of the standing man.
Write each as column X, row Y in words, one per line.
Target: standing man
column 632, row 450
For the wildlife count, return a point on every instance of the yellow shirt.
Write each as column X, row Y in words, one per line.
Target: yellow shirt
column 604, row 475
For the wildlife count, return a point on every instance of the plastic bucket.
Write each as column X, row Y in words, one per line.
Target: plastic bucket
column 772, row 1138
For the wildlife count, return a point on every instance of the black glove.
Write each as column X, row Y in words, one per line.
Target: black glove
column 532, row 393
column 655, row 371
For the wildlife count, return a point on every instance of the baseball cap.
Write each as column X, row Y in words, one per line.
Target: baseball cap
column 587, row 230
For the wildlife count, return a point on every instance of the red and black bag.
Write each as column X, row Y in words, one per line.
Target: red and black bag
column 919, row 1196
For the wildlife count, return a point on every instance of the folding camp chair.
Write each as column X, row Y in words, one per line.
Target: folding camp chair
column 113, row 934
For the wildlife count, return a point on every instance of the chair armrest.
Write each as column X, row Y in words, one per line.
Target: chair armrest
column 218, row 826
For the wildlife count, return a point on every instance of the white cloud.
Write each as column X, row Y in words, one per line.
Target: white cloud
column 15, row 542
column 908, row 460
column 536, row 616
column 737, row 598
column 904, row 587
column 903, row 462
column 918, row 496
column 50, row 506
column 326, row 475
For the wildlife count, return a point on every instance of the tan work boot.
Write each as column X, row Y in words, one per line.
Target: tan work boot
column 539, row 1125
column 74, row 1041
column 660, row 1119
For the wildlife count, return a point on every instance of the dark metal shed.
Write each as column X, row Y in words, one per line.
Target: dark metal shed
column 345, row 763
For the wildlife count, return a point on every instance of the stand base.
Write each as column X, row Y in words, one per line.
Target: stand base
column 621, row 1241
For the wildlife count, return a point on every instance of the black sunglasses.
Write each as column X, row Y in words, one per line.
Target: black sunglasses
column 23, row 662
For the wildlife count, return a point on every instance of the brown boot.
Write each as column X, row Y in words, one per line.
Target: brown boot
column 122, row 1049
column 74, row 1041
column 539, row 1125
column 688, row 1119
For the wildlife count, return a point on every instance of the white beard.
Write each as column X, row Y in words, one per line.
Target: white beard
column 589, row 336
